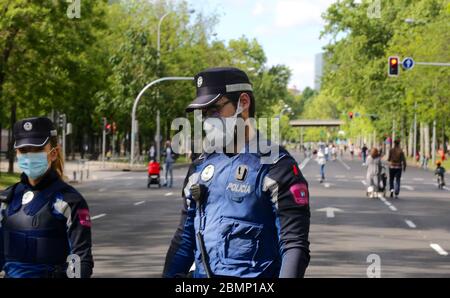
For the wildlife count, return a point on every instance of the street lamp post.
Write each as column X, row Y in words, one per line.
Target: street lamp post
column 286, row 108
column 136, row 102
column 158, row 58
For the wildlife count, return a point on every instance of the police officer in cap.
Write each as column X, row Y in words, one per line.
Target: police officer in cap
column 241, row 217
column 44, row 222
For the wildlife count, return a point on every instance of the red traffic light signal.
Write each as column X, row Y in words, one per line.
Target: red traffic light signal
column 394, row 65
column 108, row 128
column 350, row 115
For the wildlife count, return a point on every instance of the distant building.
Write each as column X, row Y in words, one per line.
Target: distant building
column 294, row 91
column 318, row 71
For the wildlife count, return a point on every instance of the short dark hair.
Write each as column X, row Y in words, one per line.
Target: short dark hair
column 234, row 97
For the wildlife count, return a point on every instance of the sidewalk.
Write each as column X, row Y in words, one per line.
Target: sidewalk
column 78, row 171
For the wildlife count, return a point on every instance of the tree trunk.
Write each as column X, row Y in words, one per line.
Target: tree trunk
column 411, row 141
column 427, row 140
column 11, row 139
column 421, row 140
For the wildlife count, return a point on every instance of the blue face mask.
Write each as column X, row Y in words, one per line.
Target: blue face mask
column 33, row 164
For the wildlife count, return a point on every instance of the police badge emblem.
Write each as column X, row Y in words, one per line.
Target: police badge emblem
column 28, row 126
column 241, row 172
column 199, row 82
column 207, row 173
column 27, row 197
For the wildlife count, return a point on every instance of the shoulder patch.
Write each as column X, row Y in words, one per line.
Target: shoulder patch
column 300, row 193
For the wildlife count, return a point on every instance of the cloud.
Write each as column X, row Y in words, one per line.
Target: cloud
column 302, row 70
column 290, row 13
column 258, row 9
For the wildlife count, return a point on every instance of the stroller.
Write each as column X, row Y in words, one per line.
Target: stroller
column 373, row 191
column 154, row 170
column 382, row 180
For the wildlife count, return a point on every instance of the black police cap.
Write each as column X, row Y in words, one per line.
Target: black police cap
column 213, row 83
column 33, row 132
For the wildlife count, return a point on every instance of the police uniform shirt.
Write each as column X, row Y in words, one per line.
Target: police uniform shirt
column 286, row 192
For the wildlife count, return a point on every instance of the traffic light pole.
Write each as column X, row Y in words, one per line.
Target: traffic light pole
column 62, row 123
column 136, row 102
column 103, row 142
column 64, row 136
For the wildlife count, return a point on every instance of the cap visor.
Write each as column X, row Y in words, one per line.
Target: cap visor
column 30, row 142
column 202, row 102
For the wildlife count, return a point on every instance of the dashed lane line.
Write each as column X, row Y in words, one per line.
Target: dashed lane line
column 410, row 224
column 438, row 249
column 139, row 203
column 98, row 216
column 344, row 164
column 408, row 187
column 304, row 163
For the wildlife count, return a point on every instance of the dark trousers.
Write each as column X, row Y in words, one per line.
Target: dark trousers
column 397, row 175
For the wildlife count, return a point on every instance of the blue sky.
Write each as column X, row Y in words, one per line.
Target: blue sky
column 288, row 30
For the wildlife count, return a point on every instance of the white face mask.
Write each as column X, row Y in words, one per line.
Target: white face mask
column 220, row 130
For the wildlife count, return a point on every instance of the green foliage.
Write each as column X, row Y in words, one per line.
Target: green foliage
column 356, row 64
column 95, row 66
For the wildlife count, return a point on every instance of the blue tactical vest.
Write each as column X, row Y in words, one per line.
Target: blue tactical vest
column 238, row 224
column 32, row 233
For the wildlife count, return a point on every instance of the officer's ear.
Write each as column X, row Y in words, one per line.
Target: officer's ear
column 245, row 101
column 54, row 153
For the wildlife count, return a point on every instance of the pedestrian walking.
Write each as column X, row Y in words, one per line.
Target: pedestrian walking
column 397, row 164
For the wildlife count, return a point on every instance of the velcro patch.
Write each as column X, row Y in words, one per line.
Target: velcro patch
column 295, row 169
column 300, row 193
column 84, row 217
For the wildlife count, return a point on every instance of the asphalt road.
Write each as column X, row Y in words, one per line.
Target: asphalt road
column 410, row 236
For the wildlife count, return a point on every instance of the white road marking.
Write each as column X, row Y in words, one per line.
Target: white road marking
column 418, row 179
column 98, row 216
column 364, row 182
column 392, row 208
column 327, row 185
column 304, row 163
column 169, row 194
column 344, row 164
column 330, row 211
column 343, row 180
column 102, row 189
column 438, row 249
column 358, row 177
column 408, row 187
column 340, row 176
column 410, row 224
column 139, row 203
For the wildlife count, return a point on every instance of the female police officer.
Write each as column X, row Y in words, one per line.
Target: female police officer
column 45, row 223
column 243, row 216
